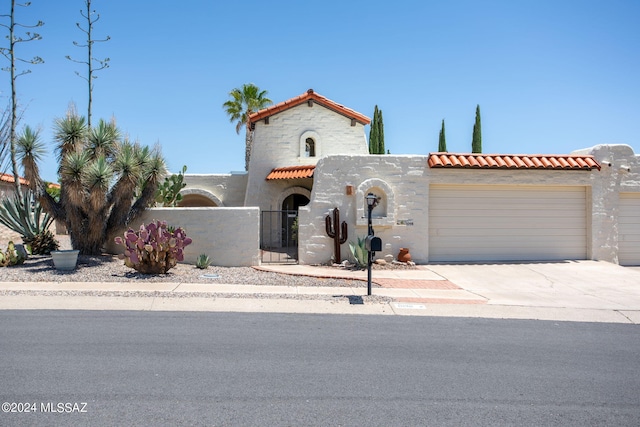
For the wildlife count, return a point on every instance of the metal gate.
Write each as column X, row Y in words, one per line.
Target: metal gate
column 279, row 237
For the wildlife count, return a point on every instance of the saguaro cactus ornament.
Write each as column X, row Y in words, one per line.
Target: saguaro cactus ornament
column 339, row 236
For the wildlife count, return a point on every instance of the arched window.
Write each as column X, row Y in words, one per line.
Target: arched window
column 384, row 214
column 309, row 147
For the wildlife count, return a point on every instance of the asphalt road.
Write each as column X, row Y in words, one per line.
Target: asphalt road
column 154, row 368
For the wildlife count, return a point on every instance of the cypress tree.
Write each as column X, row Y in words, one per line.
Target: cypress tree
column 476, row 142
column 373, row 133
column 380, row 133
column 442, row 141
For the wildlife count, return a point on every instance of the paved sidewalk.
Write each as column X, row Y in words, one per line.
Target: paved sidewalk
column 573, row 290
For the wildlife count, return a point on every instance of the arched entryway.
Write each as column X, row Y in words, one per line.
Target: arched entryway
column 279, row 229
column 290, row 207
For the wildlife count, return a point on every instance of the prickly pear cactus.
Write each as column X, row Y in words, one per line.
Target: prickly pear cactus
column 168, row 193
column 155, row 248
column 12, row 256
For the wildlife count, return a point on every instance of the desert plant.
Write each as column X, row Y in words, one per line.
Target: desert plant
column 106, row 182
column 294, row 230
column 203, row 261
column 15, row 38
column 12, row 256
column 168, row 193
column 43, row 243
column 93, row 64
column 154, row 249
column 25, row 216
column 359, row 252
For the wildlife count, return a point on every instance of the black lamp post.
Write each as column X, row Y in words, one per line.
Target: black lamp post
column 372, row 201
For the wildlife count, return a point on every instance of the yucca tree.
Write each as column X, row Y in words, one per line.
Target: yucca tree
column 244, row 101
column 106, row 182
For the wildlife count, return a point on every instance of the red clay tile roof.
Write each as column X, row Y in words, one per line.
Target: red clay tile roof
column 291, row 172
column 315, row 97
column 9, row 178
column 512, row 161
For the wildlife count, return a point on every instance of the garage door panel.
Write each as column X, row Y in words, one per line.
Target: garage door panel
column 502, row 232
column 493, row 223
column 530, row 212
column 511, row 216
column 507, row 191
column 629, row 229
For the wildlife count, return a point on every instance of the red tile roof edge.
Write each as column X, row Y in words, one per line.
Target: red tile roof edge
column 5, row 177
column 309, row 95
column 291, row 172
column 513, row 161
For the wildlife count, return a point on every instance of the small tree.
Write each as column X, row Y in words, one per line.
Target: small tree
column 442, row 141
column 376, row 133
column 476, row 142
column 100, row 176
column 9, row 52
column 100, row 64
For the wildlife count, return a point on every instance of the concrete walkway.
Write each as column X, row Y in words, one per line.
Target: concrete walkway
column 573, row 290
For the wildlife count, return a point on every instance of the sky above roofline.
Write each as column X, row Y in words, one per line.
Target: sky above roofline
column 550, row 77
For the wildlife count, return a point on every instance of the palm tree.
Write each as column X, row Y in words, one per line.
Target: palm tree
column 244, row 101
column 106, row 182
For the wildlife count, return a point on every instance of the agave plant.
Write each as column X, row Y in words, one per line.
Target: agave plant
column 359, row 252
column 25, row 216
column 106, row 181
column 203, row 261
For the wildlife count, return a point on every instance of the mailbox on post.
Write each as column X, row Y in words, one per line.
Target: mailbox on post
column 373, row 244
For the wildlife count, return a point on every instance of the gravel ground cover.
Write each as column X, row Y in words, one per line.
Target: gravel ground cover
column 108, row 268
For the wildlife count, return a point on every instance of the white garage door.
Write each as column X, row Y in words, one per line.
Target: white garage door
column 629, row 229
column 507, row 223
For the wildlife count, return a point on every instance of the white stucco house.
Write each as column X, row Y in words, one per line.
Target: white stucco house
column 310, row 155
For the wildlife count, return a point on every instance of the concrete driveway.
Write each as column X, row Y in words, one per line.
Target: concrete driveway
column 566, row 284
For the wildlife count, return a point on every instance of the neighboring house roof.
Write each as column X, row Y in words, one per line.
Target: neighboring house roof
column 291, row 172
column 513, row 161
column 5, row 177
column 309, row 96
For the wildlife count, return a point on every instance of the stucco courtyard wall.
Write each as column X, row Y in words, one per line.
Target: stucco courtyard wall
column 405, row 182
column 230, row 236
column 400, row 179
column 620, row 173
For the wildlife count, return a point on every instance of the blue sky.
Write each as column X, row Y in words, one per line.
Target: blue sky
column 550, row 76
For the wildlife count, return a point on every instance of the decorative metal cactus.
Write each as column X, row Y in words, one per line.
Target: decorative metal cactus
column 339, row 236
